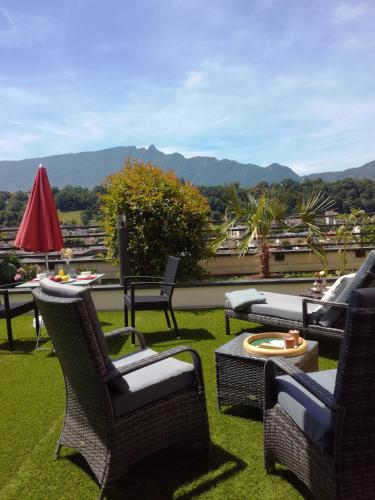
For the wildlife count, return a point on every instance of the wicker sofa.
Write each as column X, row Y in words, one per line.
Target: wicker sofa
column 314, row 318
column 321, row 425
column 119, row 411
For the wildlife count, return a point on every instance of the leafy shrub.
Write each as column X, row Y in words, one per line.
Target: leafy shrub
column 8, row 268
column 165, row 217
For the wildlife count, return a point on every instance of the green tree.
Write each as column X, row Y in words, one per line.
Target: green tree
column 357, row 228
column 165, row 217
column 260, row 214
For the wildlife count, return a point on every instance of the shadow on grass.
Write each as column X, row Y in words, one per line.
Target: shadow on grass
column 22, row 346
column 243, row 412
column 161, row 339
column 161, row 475
column 287, row 475
column 329, row 349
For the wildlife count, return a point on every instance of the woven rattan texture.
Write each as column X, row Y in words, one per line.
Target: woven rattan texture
column 310, row 331
column 111, row 445
column 240, row 375
column 347, row 471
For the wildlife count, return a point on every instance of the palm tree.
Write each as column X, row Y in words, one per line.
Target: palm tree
column 260, row 214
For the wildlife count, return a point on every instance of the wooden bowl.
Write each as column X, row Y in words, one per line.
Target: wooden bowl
column 273, row 351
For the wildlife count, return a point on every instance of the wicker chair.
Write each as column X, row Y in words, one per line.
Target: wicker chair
column 301, row 313
column 118, row 412
column 160, row 302
column 9, row 310
column 321, row 425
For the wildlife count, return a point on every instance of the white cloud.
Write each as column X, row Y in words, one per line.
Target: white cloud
column 194, row 80
column 19, row 94
column 9, row 34
column 349, row 11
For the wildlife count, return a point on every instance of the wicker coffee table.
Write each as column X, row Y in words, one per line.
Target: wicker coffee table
column 239, row 375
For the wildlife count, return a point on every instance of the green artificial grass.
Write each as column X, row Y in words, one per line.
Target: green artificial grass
column 32, row 405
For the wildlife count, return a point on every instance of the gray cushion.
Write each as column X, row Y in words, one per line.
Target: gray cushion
column 362, row 279
column 150, row 383
column 311, row 416
column 240, row 300
column 73, row 292
column 281, row 305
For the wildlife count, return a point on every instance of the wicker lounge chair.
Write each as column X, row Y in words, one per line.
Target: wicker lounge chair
column 305, row 314
column 160, row 302
column 321, row 425
column 120, row 411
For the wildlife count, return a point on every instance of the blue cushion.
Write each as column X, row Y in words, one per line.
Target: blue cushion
column 240, row 300
column 150, row 383
column 311, row 416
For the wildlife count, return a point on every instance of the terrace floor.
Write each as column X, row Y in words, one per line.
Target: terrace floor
column 32, row 405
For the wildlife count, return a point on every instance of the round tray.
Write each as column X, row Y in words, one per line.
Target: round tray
column 248, row 345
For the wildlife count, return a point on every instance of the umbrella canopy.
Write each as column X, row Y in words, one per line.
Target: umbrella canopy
column 40, row 230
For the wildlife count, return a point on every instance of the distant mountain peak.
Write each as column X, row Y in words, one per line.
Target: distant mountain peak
column 89, row 168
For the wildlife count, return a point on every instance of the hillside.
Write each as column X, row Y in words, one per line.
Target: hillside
column 366, row 171
column 89, row 169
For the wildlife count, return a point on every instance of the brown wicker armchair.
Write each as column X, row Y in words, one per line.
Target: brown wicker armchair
column 120, row 411
column 322, row 425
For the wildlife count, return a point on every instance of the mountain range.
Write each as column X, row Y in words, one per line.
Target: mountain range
column 88, row 169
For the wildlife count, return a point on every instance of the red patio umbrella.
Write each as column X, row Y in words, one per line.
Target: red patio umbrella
column 40, row 230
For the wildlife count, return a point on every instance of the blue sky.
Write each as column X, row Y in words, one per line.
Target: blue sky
column 258, row 81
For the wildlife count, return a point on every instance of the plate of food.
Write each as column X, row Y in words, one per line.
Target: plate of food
column 62, row 279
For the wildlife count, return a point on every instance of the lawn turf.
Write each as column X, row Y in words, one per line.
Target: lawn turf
column 32, row 399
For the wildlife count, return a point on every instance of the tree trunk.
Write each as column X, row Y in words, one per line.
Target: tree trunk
column 264, row 260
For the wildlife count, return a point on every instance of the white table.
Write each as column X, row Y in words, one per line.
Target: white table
column 80, row 281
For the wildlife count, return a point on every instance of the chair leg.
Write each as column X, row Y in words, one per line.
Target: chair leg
column 227, row 327
column 126, row 316
column 132, row 322
column 167, row 318
column 37, row 324
column 9, row 333
column 174, row 321
column 58, row 449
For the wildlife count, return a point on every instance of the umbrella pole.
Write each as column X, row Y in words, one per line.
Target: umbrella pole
column 46, row 259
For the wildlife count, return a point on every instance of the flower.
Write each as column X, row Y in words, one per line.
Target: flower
column 322, row 274
column 67, row 253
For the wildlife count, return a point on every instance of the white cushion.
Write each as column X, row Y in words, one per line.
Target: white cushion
column 335, row 290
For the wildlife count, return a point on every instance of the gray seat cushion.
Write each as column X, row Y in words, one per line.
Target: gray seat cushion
column 240, row 300
column 311, row 416
column 73, row 292
column 281, row 305
column 150, row 383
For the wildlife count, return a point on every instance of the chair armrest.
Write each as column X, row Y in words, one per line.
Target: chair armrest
column 139, row 284
column 299, row 376
column 124, row 370
column 127, row 278
column 128, row 330
column 305, row 301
